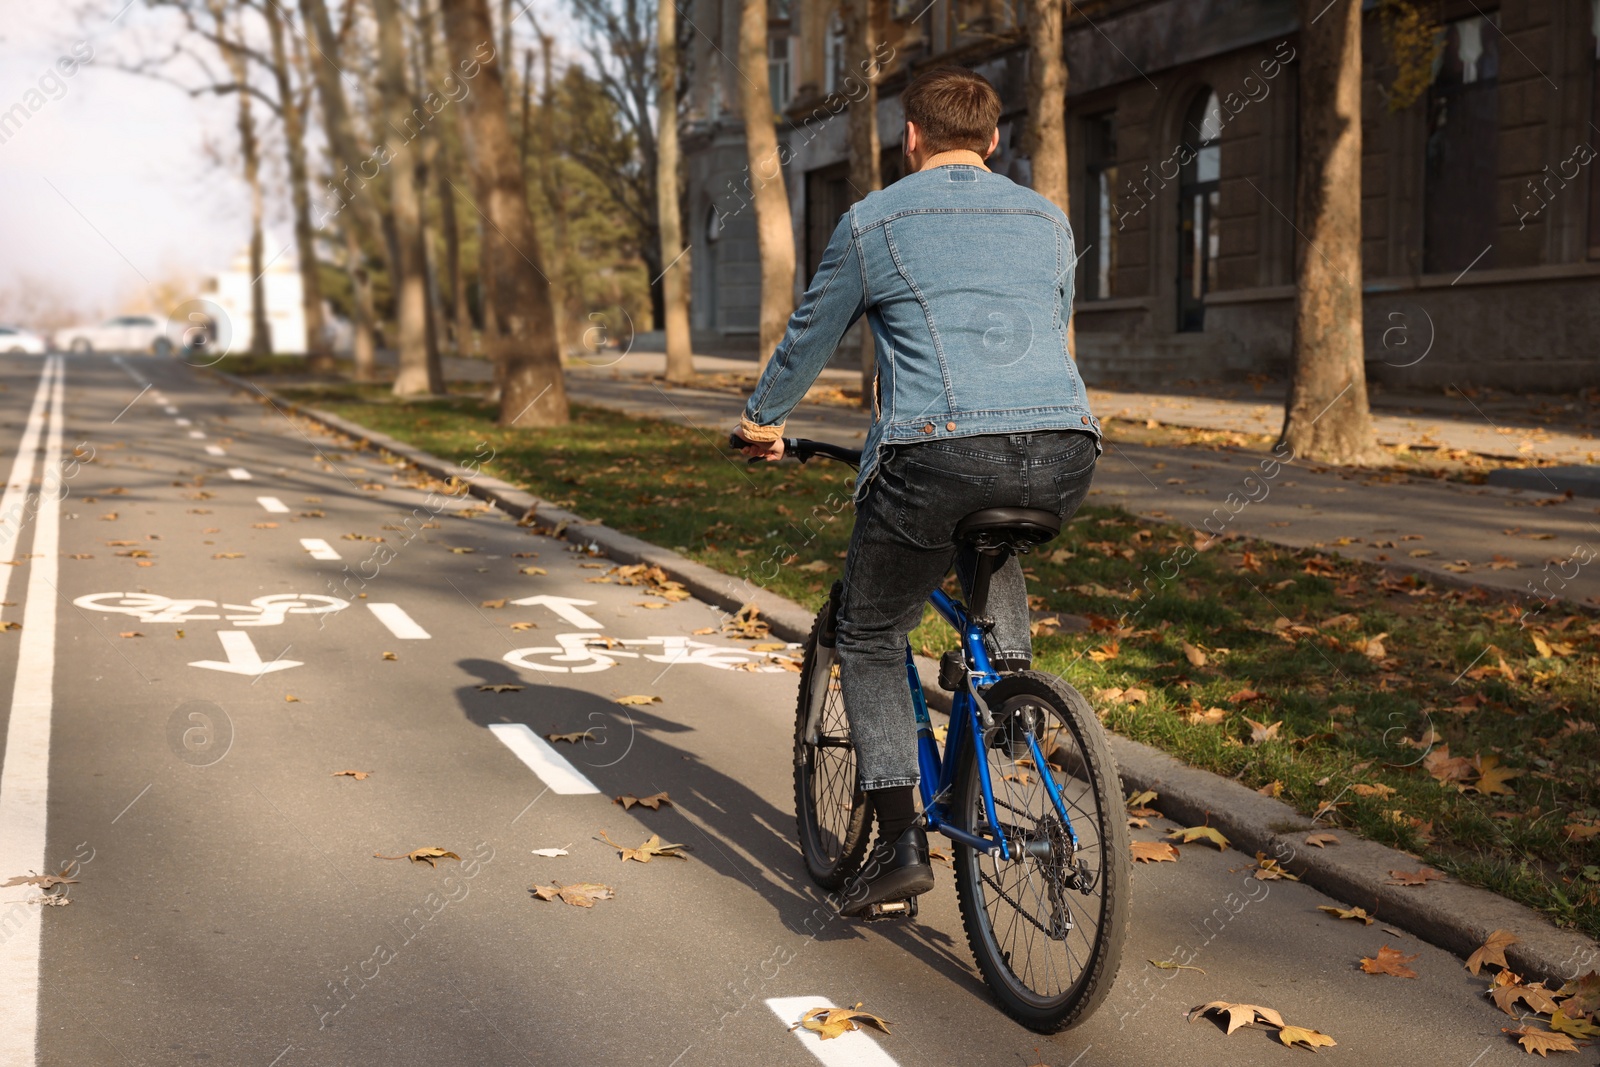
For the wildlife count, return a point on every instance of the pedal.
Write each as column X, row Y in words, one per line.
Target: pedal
column 891, row 909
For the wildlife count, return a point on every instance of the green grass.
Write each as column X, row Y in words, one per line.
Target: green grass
column 1353, row 727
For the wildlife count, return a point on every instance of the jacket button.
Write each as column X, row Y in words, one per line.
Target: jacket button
column 928, row 428
column 1086, row 420
column 950, row 426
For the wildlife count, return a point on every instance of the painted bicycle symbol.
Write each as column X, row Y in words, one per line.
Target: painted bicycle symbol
column 270, row 610
column 586, row 653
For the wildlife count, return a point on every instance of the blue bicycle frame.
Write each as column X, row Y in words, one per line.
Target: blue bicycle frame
column 969, row 716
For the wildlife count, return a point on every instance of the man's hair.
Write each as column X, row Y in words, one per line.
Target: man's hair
column 954, row 108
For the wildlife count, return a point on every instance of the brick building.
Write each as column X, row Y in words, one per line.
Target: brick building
column 1481, row 211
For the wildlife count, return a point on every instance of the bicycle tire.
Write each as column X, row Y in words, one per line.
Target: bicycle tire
column 830, row 809
column 1103, row 844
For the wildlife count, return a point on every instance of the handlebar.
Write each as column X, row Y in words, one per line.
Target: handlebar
column 803, row 450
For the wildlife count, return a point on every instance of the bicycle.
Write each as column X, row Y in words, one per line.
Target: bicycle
column 1047, row 854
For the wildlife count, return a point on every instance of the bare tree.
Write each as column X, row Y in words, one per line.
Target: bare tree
column 1327, row 418
column 523, row 346
column 774, row 224
column 1044, row 132
column 675, row 291
column 866, row 173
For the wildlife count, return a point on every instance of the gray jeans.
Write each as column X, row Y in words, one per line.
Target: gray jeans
column 901, row 549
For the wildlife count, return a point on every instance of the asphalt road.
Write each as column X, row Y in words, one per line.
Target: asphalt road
column 229, row 908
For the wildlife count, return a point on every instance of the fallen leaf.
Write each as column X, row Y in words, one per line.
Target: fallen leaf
column 639, row 700
column 1492, row 777
column 1273, row 788
column 579, row 894
column 227, row 555
column 653, row 802
column 1355, row 914
column 532, row 570
column 503, row 687
column 130, row 633
column 1362, row 789
column 832, row 1022
column 390, row 655
column 1541, row 1041
column 1238, row 1014
column 524, row 626
column 1201, row 833
column 430, row 856
column 461, row 551
column 43, row 881
column 1244, row 695
column 1269, row 870
column 1169, row 965
column 288, row 698
column 1389, row 961
column 1322, row 840
column 1492, row 951
column 1578, row 1026
column 1154, row 852
column 1193, row 654
column 1421, row 877
column 570, row 738
column 500, row 603
column 646, row 852
column 359, row 776
column 1138, row 803
column 1261, row 732
column 1289, row 1035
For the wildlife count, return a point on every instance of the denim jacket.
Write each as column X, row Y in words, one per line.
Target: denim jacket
column 966, row 281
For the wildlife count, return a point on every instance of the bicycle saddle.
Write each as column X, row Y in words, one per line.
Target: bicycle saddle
column 1015, row 527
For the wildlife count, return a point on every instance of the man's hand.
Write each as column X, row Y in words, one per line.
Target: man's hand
column 770, row 451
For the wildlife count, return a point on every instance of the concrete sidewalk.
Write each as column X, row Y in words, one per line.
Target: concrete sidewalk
column 1540, row 545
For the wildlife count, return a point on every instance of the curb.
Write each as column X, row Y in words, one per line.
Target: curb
column 1449, row 914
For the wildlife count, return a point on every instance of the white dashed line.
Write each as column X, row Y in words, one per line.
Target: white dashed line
column 196, row 434
column 851, row 1049
column 215, row 450
column 399, row 623
column 319, row 548
column 273, row 504
column 551, row 767
column 183, row 422
column 169, row 409
column 239, row 474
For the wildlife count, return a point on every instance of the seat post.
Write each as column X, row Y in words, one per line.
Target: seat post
column 978, row 598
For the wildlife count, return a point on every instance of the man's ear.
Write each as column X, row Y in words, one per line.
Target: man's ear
column 994, row 143
column 912, row 139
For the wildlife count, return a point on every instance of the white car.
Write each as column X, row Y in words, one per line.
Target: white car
column 17, row 341
column 125, row 333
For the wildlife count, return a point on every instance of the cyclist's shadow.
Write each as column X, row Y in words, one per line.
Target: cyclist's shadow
column 626, row 752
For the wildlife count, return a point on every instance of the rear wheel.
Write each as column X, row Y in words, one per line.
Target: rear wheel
column 830, row 811
column 1047, row 926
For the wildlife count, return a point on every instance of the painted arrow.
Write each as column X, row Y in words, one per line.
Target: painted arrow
column 564, row 606
column 242, row 656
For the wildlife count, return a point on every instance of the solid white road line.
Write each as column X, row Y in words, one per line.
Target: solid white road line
column 399, row 623
column 215, row 450
column 319, row 548
column 273, row 504
column 197, row 434
column 16, row 493
column 183, row 422
column 25, row 776
column 551, row 767
column 853, row 1049
column 239, row 474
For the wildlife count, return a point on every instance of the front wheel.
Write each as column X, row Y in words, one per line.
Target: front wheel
column 830, row 810
column 1047, row 926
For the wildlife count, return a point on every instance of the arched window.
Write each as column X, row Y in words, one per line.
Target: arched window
column 1199, row 236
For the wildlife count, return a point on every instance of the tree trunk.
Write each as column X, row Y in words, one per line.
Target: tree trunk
column 1327, row 419
column 555, row 197
column 674, row 277
column 260, row 328
column 774, row 225
column 418, row 376
column 866, row 173
column 320, row 358
column 1044, row 134
column 363, row 342
column 532, row 392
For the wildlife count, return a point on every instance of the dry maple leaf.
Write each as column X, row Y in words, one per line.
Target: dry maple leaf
column 1108, row 651
column 1541, row 1041
column 1268, row 870
column 390, row 655
column 43, row 881
column 1245, row 695
column 500, row 603
column 647, row 851
column 1492, row 777
column 1238, row 1014
column 1137, row 803
column 1261, row 732
column 829, row 1023
column 430, row 856
column 1445, row 768
column 579, row 894
column 653, row 802
column 532, row 570
column 1154, row 852
column 1577, row 1026
column 524, row 626
column 1193, row 654
column 1583, row 994
column 1356, row 914
column 1389, row 961
column 1321, row 840
column 1289, row 1035
column 503, row 687
column 1201, row 833
column 359, row 776
column 1420, row 877
column 572, row 739
column 1492, row 951
column 641, row 699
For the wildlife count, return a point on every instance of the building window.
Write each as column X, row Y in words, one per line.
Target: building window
column 833, row 73
column 1199, row 234
column 1097, row 232
column 780, row 48
column 1459, row 206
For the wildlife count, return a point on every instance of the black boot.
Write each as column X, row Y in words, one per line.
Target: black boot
column 897, row 870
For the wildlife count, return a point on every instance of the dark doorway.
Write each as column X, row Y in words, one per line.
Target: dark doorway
column 1463, row 130
column 1199, row 235
column 828, row 196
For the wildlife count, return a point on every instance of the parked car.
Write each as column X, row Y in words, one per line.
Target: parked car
column 15, row 339
column 125, row 333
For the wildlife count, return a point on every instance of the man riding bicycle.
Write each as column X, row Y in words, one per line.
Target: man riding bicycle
column 966, row 282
